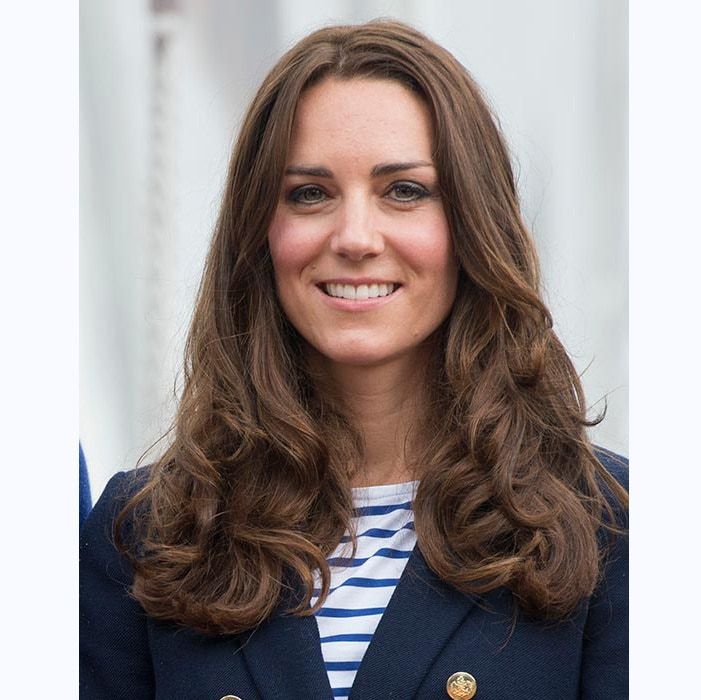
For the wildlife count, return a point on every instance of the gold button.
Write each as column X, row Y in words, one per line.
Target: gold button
column 230, row 697
column 461, row 686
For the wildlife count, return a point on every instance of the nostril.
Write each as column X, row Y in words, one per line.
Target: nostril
column 356, row 255
column 356, row 246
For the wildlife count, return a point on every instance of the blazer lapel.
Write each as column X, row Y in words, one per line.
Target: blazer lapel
column 422, row 614
column 284, row 658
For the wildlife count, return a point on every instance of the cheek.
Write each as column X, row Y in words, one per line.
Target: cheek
column 430, row 250
column 292, row 249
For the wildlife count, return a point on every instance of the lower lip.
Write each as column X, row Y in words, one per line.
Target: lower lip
column 353, row 305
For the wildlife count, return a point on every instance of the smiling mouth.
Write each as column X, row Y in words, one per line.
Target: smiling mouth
column 361, row 291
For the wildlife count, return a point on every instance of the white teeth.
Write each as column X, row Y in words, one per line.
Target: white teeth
column 362, row 291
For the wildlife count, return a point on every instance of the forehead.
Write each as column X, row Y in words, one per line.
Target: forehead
column 362, row 116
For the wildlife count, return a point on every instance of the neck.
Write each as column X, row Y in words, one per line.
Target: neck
column 386, row 404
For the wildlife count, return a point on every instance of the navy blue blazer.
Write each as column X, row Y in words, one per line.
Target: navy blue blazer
column 428, row 632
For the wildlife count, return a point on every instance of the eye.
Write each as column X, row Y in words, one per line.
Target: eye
column 407, row 192
column 306, row 195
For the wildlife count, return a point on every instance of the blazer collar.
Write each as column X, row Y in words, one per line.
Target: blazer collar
column 284, row 654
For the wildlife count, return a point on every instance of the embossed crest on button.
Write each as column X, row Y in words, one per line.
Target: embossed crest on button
column 461, row 686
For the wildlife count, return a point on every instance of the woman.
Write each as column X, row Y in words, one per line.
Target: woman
column 380, row 483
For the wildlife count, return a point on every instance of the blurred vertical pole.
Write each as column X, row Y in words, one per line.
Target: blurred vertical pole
column 84, row 496
column 166, row 22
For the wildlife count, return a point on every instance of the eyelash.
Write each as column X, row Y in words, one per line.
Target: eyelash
column 417, row 192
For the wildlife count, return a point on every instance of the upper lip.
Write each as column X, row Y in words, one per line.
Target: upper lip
column 357, row 281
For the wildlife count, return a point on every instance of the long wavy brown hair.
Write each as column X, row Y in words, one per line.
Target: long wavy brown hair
column 254, row 491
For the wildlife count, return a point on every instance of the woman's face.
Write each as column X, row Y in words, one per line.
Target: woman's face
column 360, row 245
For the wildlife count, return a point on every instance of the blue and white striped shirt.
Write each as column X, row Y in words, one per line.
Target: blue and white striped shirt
column 361, row 586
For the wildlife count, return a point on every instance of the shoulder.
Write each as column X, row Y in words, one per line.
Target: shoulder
column 115, row 659
column 615, row 473
column 123, row 485
column 96, row 534
column 614, row 464
column 605, row 650
column 119, row 489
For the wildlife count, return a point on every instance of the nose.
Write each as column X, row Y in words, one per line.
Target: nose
column 356, row 235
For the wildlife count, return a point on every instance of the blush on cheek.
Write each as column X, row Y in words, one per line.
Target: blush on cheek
column 275, row 238
column 291, row 248
column 282, row 253
column 428, row 250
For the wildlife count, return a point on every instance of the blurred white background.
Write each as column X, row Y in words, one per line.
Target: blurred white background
column 163, row 86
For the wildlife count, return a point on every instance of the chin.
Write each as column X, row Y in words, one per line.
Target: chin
column 356, row 353
column 357, row 358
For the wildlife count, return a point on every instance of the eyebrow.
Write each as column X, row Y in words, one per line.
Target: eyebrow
column 390, row 168
column 378, row 170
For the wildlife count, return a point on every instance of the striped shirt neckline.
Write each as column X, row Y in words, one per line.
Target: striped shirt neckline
column 362, row 585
